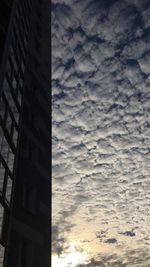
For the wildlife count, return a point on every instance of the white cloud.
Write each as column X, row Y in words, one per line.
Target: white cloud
column 101, row 133
column 145, row 63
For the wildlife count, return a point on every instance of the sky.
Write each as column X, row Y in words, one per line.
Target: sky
column 101, row 133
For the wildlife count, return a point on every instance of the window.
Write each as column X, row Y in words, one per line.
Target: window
column 5, row 149
column 4, row 229
column 15, row 136
column 8, row 189
column 2, row 174
column 1, row 255
column 2, row 109
column 9, row 123
column 1, row 218
column 10, row 162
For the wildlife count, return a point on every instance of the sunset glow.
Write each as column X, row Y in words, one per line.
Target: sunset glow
column 71, row 258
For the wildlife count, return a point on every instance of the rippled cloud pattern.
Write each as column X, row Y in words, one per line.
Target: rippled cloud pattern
column 101, row 126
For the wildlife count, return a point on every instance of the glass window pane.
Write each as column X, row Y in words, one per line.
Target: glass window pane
column 1, row 255
column 11, row 161
column 1, row 217
column 8, row 123
column 5, row 149
column 9, row 189
column 2, row 108
column 2, row 174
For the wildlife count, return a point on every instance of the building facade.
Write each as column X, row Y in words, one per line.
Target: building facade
column 24, row 133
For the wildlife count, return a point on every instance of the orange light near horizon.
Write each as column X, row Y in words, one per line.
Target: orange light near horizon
column 71, row 258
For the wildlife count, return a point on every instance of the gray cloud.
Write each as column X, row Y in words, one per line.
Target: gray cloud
column 111, row 241
column 125, row 261
column 128, row 233
column 100, row 110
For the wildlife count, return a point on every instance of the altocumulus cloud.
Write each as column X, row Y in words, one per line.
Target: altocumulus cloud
column 101, row 122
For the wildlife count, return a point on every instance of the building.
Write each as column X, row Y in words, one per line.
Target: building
column 24, row 133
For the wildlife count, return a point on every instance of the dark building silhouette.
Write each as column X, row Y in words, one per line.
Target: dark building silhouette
column 24, row 133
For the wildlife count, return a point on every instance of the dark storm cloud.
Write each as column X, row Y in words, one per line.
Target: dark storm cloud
column 101, row 131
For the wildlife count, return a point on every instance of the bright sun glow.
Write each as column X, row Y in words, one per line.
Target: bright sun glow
column 71, row 258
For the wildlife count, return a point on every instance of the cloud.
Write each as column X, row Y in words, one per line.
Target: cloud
column 57, row 241
column 128, row 233
column 111, row 241
column 100, row 120
column 114, row 260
